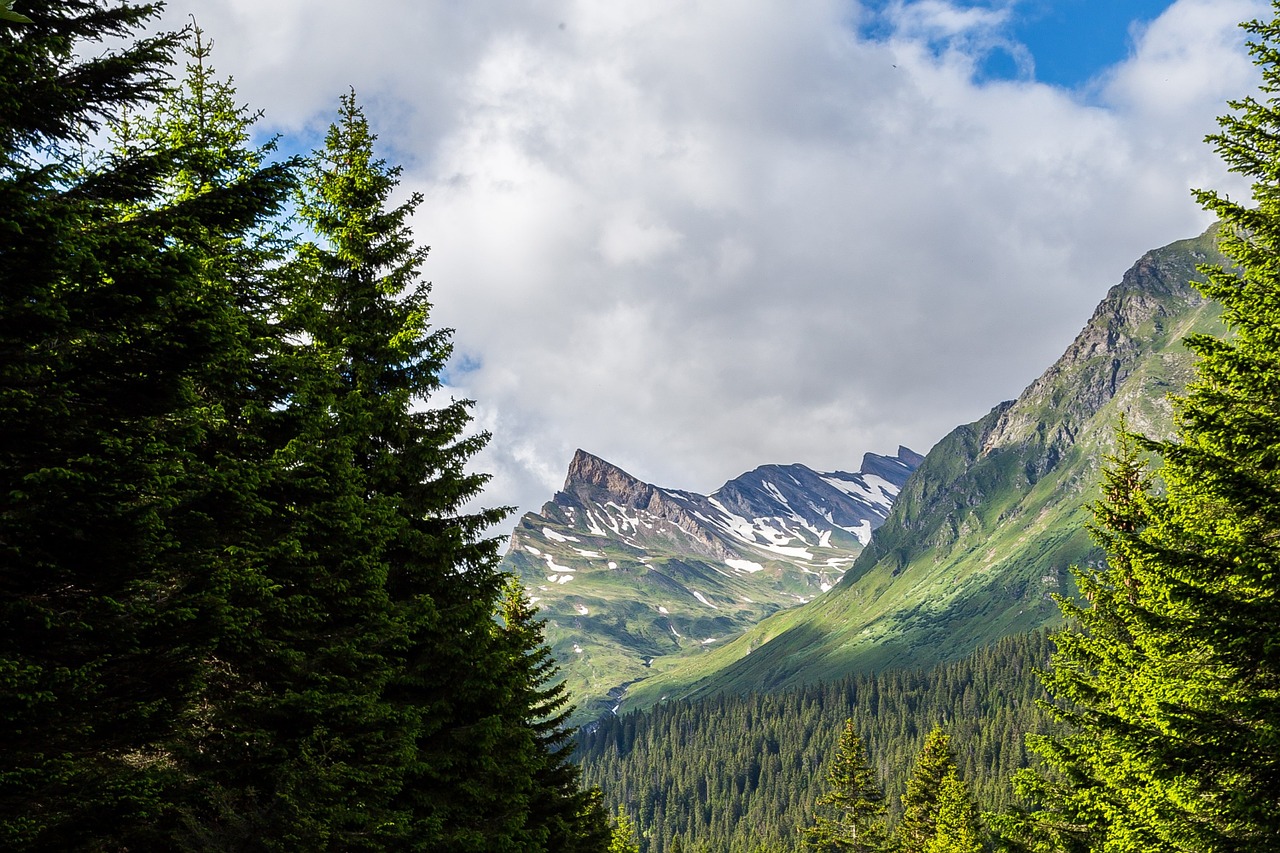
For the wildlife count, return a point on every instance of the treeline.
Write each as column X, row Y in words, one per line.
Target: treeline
column 242, row 605
column 742, row 773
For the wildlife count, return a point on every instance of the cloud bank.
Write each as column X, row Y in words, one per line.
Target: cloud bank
column 696, row 237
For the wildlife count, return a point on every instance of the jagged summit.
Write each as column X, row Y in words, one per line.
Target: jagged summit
column 626, row 572
column 592, row 478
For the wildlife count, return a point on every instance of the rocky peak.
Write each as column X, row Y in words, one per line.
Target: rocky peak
column 592, row 478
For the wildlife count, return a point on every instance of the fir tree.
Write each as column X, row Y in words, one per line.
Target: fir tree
column 918, row 824
column 957, row 826
column 111, row 345
column 850, row 815
column 1175, row 688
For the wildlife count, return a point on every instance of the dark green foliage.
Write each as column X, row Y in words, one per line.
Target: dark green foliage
column 740, row 774
column 241, row 604
column 849, row 816
column 110, row 345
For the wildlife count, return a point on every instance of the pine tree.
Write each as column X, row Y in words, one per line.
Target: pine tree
column 110, row 347
column 1174, row 688
column 957, row 826
column 562, row 816
column 850, row 815
column 918, row 824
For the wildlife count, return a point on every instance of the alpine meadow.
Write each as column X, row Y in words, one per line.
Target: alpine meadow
column 253, row 598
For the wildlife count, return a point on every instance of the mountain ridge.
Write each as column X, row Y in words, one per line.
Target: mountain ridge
column 983, row 532
column 628, row 574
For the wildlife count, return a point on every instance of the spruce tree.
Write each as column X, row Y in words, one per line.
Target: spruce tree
column 957, row 825
column 111, row 348
column 1175, row 689
column 918, row 823
column 849, row 817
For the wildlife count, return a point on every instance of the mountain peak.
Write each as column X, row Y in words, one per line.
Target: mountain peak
column 589, row 475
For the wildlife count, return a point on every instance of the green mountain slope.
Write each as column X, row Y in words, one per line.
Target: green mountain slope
column 987, row 527
column 628, row 575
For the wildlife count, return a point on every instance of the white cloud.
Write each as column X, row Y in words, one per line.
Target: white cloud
column 697, row 237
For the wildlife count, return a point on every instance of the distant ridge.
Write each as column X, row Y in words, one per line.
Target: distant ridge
column 986, row 528
column 629, row 575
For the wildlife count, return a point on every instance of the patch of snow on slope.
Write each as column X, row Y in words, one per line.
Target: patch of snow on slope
column 532, row 550
column 557, row 537
column 613, row 565
column 773, row 490
column 703, row 599
column 577, row 649
column 825, row 587
column 862, row 531
column 744, row 566
column 594, row 555
column 664, row 611
column 565, row 578
column 551, row 564
column 593, row 526
column 868, row 487
column 824, row 539
column 710, row 640
column 583, row 611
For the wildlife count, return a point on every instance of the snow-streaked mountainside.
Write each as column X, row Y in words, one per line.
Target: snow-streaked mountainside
column 628, row 574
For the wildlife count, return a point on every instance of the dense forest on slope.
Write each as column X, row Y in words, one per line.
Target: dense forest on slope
column 741, row 773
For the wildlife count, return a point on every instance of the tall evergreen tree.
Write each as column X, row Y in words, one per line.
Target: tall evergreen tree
column 485, row 765
column 110, row 348
column 849, row 817
column 562, row 816
column 957, row 826
column 918, row 824
column 1181, row 697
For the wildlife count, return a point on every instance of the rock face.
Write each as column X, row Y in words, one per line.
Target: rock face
column 986, row 529
column 628, row 574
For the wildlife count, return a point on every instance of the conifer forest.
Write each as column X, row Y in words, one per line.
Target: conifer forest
column 247, row 602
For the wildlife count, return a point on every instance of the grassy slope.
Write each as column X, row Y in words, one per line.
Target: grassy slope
column 989, row 526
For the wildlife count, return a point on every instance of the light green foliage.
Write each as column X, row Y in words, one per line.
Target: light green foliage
column 957, row 826
column 918, row 824
column 1173, row 681
column 622, row 838
column 850, row 815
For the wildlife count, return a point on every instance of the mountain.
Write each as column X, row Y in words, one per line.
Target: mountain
column 986, row 529
column 628, row 575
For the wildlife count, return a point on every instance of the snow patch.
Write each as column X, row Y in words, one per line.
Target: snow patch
column 664, row 611
column 592, row 555
column 825, row 587
column 824, row 539
column 703, row 599
column 613, row 565
column 710, row 640
column 577, row 649
column 583, row 611
column 744, row 566
column 532, row 550
column 557, row 537
column 551, row 564
column 565, row 578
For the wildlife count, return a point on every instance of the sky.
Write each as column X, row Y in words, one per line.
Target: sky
column 697, row 236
